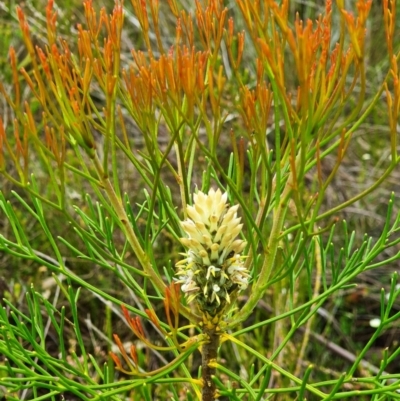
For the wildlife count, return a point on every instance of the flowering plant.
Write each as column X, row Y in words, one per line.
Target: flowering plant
column 102, row 143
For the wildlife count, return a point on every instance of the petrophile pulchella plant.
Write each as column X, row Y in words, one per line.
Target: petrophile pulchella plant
column 238, row 132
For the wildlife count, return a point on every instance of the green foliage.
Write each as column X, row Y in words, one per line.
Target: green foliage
column 103, row 146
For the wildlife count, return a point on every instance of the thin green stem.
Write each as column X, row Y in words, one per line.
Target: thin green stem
column 132, row 238
column 270, row 251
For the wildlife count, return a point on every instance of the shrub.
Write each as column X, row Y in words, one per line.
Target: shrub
column 224, row 139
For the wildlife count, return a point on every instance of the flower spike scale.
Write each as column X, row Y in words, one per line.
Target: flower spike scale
column 213, row 267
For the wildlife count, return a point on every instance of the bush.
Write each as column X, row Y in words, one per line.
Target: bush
column 223, row 131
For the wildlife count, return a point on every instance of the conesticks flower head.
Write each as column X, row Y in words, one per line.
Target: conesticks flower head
column 213, row 267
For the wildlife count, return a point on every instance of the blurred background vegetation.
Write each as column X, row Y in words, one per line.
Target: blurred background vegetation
column 347, row 324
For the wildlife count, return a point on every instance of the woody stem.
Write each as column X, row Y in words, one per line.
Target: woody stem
column 209, row 356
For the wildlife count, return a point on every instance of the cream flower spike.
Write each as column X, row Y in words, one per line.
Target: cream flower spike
column 213, row 267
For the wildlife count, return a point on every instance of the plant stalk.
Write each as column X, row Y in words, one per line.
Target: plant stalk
column 131, row 236
column 209, row 357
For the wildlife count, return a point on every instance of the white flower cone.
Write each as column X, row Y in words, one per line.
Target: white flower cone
column 213, row 266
